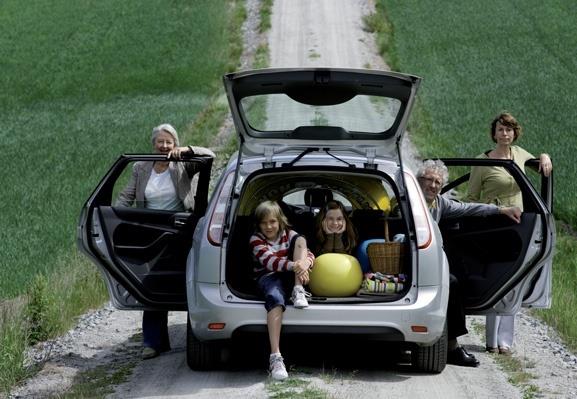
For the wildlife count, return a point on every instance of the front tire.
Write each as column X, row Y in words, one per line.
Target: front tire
column 202, row 355
column 431, row 359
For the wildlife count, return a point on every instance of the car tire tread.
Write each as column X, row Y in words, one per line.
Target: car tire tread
column 431, row 359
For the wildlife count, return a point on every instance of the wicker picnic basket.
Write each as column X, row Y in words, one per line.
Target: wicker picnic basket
column 387, row 256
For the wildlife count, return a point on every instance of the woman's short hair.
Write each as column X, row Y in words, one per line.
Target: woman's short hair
column 508, row 120
column 436, row 166
column 271, row 208
column 168, row 128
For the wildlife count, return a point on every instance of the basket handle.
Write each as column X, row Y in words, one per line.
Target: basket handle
column 387, row 230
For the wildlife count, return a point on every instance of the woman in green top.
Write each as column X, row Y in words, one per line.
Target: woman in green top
column 494, row 185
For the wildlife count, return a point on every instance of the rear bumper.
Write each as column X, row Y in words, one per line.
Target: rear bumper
column 365, row 332
column 387, row 322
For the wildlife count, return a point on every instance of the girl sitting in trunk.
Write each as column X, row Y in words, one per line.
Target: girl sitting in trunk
column 334, row 231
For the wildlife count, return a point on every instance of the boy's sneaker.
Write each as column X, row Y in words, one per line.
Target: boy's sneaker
column 299, row 297
column 277, row 369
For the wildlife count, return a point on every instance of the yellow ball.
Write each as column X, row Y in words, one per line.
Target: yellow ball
column 335, row 275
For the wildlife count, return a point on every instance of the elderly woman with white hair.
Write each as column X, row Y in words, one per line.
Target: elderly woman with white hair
column 162, row 185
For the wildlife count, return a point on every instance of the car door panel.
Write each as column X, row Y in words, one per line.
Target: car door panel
column 486, row 253
column 141, row 252
column 502, row 265
column 539, row 296
column 148, row 245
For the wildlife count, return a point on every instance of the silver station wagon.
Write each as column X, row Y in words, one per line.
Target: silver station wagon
column 306, row 136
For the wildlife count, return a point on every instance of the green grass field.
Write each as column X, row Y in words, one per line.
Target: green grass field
column 81, row 83
column 562, row 314
column 479, row 58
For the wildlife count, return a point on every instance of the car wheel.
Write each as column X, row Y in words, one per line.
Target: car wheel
column 431, row 359
column 203, row 355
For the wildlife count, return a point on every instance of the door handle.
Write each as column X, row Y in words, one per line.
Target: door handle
column 179, row 222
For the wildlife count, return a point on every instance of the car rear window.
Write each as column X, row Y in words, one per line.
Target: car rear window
column 279, row 112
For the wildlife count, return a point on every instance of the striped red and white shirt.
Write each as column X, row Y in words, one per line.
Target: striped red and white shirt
column 273, row 256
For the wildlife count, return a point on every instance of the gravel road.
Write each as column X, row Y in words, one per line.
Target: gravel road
column 304, row 33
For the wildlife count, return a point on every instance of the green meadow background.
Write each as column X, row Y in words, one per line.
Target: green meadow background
column 82, row 82
column 478, row 59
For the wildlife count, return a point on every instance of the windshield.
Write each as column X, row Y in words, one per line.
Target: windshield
column 280, row 113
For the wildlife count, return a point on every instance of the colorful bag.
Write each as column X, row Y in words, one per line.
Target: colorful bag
column 383, row 284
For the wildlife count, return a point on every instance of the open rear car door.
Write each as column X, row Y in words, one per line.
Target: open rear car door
column 142, row 252
column 502, row 265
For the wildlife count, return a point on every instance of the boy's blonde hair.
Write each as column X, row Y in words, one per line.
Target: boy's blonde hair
column 271, row 208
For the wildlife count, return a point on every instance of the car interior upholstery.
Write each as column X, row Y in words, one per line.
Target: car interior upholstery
column 369, row 222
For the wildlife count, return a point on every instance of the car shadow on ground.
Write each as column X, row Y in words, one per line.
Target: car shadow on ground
column 245, row 362
column 326, row 355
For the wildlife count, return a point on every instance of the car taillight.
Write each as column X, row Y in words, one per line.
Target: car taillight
column 420, row 212
column 217, row 218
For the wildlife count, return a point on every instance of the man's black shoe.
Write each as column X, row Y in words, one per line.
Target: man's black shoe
column 460, row 357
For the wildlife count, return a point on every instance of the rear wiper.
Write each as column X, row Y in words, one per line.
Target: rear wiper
column 302, row 154
column 339, row 159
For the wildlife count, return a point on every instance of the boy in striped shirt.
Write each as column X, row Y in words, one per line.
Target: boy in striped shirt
column 282, row 260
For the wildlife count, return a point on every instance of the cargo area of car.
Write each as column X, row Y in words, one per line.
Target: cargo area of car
column 300, row 196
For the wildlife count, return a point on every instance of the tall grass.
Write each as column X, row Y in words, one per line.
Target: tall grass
column 479, row 58
column 48, row 308
column 101, row 49
column 13, row 334
column 81, row 83
column 265, row 15
column 562, row 313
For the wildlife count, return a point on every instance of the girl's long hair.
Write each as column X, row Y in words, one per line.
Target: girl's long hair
column 350, row 234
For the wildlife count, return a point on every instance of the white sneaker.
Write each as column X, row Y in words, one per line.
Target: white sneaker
column 299, row 297
column 277, row 368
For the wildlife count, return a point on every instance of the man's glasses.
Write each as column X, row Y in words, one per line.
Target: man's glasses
column 431, row 180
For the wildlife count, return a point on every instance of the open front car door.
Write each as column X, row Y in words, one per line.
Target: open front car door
column 142, row 252
column 502, row 265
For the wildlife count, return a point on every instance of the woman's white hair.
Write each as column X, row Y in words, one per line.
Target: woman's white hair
column 436, row 166
column 168, row 128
